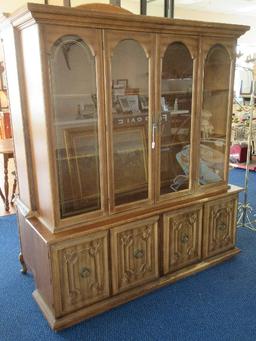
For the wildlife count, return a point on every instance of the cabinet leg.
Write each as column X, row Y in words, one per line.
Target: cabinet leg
column 23, row 264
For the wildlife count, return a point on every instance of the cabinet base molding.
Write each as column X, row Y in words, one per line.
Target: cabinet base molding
column 100, row 307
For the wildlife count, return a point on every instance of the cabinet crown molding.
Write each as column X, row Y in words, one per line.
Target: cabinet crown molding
column 104, row 17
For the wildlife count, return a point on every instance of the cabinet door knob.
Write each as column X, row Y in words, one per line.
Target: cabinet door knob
column 184, row 238
column 85, row 272
column 138, row 253
column 222, row 227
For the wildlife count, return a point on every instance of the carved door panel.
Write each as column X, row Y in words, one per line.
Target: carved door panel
column 80, row 270
column 134, row 254
column 182, row 238
column 219, row 225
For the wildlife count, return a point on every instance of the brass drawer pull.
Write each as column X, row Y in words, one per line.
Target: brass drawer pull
column 222, row 227
column 138, row 253
column 184, row 238
column 85, row 272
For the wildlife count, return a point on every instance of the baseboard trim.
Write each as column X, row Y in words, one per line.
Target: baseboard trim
column 114, row 301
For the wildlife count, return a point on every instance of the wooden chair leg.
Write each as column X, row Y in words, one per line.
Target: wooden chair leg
column 13, row 189
column 2, row 196
column 23, row 264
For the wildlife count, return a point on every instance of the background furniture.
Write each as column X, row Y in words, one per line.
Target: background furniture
column 5, row 125
column 5, row 120
column 98, row 157
column 6, row 149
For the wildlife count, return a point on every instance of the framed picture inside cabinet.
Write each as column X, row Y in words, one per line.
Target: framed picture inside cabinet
column 129, row 103
column 79, row 171
column 144, row 103
column 120, row 84
column 123, row 83
column 130, row 160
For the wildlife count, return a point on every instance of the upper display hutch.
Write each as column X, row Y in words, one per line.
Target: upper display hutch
column 122, row 130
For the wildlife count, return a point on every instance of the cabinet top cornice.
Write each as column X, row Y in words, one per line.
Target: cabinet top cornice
column 87, row 16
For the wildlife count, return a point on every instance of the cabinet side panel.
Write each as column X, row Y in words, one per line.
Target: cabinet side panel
column 35, row 254
column 38, row 117
column 19, row 118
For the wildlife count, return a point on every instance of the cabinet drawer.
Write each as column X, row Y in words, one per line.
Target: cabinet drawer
column 219, row 225
column 134, row 250
column 182, row 238
column 80, row 271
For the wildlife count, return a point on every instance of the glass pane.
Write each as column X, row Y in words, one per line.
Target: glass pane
column 176, row 99
column 76, row 126
column 214, row 116
column 130, row 122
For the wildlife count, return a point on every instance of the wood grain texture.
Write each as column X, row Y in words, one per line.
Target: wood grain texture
column 192, row 44
column 114, row 221
column 92, row 39
column 38, row 124
column 80, row 271
column 36, row 257
column 106, row 8
column 182, row 238
column 16, row 95
column 214, row 82
column 219, row 232
column 84, row 18
column 146, row 41
column 88, row 263
column 134, row 254
column 80, row 315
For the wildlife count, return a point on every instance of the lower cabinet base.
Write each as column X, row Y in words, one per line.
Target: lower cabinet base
column 107, row 304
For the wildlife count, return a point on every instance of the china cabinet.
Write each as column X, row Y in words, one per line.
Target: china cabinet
column 122, row 129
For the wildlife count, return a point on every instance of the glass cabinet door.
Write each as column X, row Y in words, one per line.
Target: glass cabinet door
column 175, row 120
column 214, row 114
column 73, row 80
column 130, row 122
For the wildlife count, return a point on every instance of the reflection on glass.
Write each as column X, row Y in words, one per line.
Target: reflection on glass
column 130, row 122
column 176, row 98
column 214, row 115
column 76, row 120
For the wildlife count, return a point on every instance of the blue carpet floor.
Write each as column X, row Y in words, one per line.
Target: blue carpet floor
column 217, row 304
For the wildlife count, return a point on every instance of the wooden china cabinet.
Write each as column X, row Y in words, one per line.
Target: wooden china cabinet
column 122, row 129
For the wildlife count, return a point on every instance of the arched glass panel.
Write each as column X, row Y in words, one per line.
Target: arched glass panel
column 76, row 126
column 214, row 116
column 130, row 107
column 176, row 101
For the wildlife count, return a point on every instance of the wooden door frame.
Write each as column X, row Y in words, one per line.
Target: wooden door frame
column 192, row 44
column 92, row 38
column 110, row 40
